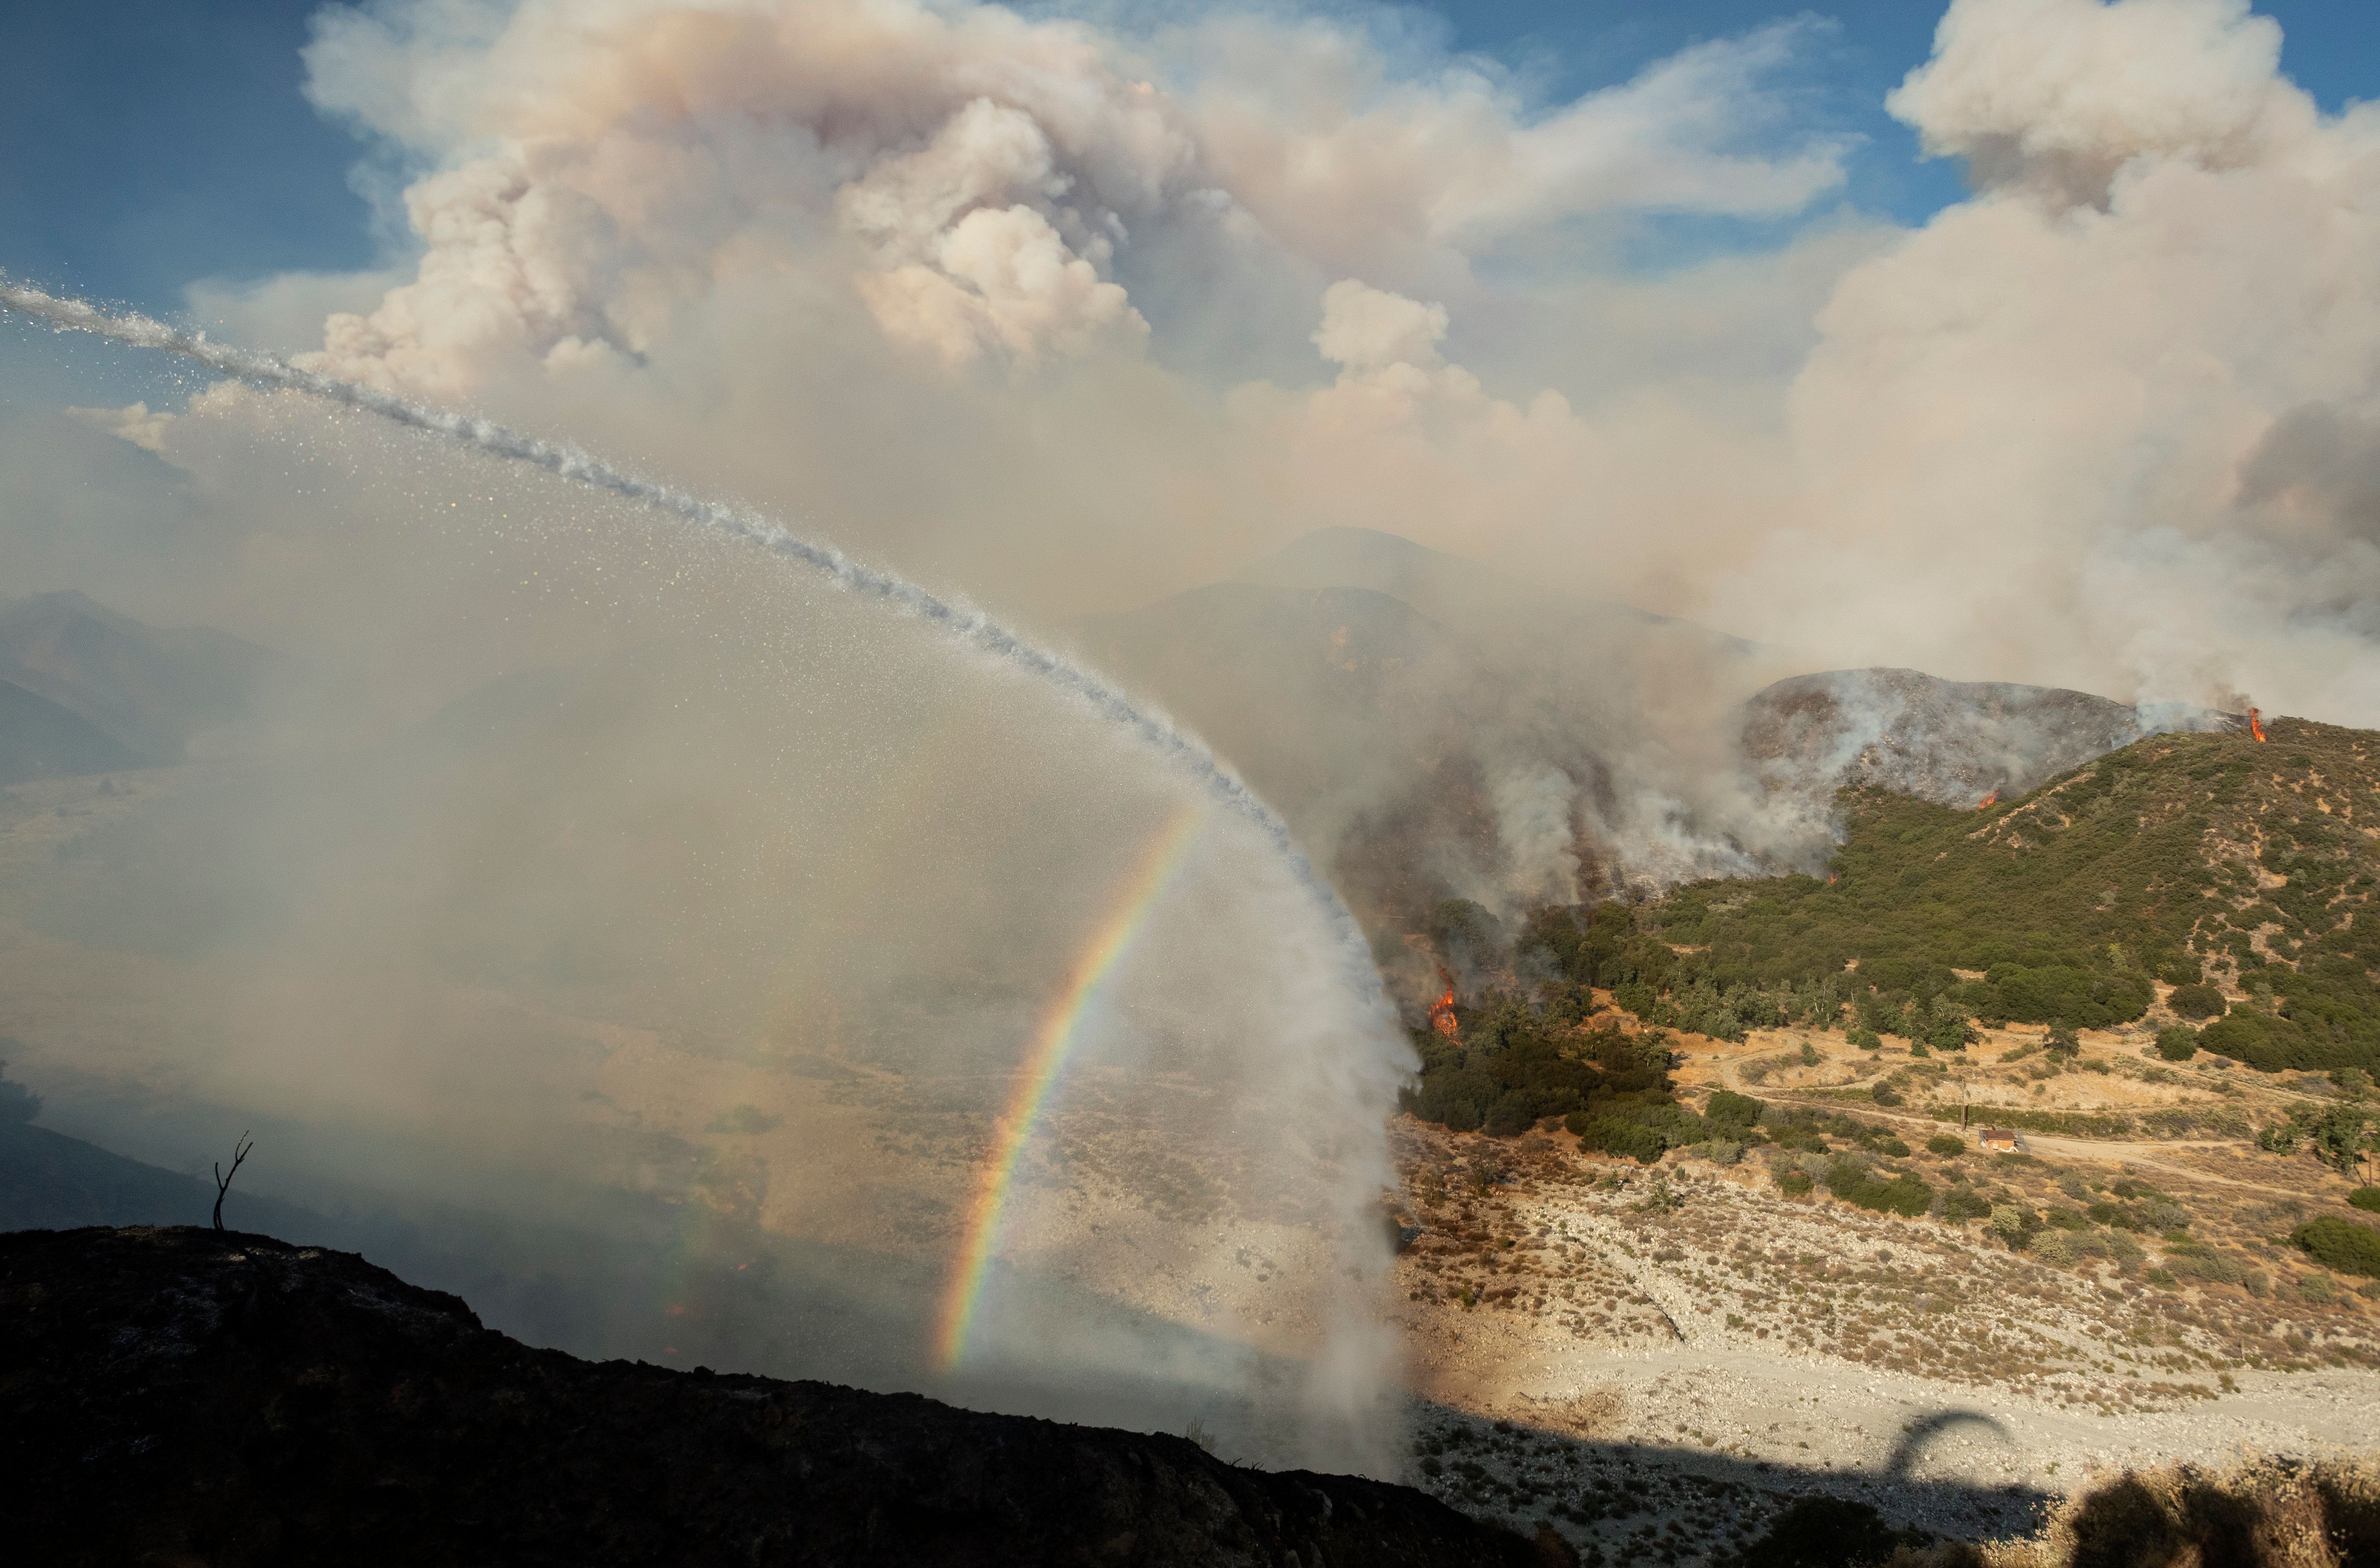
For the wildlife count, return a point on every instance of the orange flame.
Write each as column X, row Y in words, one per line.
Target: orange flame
column 1441, row 1012
column 2255, row 727
column 1988, row 802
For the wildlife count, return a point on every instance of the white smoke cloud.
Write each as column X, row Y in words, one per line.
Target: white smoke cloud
column 1534, row 820
column 2057, row 95
column 1366, row 328
column 981, row 175
column 1072, row 316
column 134, row 422
column 2039, row 411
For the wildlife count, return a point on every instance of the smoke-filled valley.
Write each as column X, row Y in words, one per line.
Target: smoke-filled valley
column 607, row 984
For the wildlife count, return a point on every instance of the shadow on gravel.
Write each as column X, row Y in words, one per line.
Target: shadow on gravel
column 1635, row 1502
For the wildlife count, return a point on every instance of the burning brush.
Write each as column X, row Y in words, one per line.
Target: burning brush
column 1441, row 1012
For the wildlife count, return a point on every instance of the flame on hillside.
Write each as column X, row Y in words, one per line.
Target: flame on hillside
column 1987, row 802
column 2255, row 725
column 1441, row 1012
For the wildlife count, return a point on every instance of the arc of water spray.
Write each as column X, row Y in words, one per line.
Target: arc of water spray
column 963, row 623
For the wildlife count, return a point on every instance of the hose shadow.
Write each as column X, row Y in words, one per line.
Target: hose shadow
column 1618, row 1500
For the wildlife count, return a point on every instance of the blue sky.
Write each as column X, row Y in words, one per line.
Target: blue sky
column 150, row 143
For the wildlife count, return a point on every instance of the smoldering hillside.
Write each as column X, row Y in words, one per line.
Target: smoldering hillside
column 1437, row 730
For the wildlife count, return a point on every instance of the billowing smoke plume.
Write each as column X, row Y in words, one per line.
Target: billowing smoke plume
column 2044, row 437
column 2104, row 425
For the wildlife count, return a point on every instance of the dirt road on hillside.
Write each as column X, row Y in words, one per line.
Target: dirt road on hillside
column 2109, row 1151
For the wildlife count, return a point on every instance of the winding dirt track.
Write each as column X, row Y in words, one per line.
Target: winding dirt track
column 2105, row 1151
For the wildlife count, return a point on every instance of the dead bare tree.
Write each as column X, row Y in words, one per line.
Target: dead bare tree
column 222, row 1180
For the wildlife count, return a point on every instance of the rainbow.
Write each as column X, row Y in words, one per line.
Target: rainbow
column 1052, row 1042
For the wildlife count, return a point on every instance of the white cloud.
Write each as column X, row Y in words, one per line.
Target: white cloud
column 1032, row 307
column 1366, row 328
column 982, row 178
column 2059, row 95
column 134, row 422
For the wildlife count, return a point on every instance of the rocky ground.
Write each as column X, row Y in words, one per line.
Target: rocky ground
column 1654, row 1361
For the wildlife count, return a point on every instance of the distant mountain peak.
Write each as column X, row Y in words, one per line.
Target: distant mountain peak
column 145, row 689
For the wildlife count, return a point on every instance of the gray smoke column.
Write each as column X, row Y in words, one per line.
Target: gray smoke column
column 967, row 625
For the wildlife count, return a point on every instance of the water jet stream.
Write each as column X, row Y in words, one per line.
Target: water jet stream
column 968, row 626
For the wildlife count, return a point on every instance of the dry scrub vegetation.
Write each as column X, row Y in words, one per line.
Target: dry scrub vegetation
column 1659, row 1360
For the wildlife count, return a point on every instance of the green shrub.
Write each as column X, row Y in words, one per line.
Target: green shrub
column 1809, row 1055
column 1961, row 1204
column 2340, row 1244
column 1637, row 998
column 2178, row 1043
column 1856, row 1184
column 1507, row 1072
column 1511, row 1114
column 1946, row 1145
column 1892, row 1146
column 2213, row 1266
column 1728, row 1107
column 2340, row 1134
column 1614, row 1135
column 1950, row 1034
column 1885, row 1094
column 1865, row 1039
column 2366, row 1198
column 2197, row 1000
column 1794, row 1184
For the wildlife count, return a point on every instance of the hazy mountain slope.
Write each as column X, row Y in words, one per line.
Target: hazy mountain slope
column 40, row 738
column 1433, row 728
column 1342, row 707
column 148, row 690
column 1448, row 588
column 2253, row 863
column 1953, row 742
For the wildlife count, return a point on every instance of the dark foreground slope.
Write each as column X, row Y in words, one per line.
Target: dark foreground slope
column 188, row 1396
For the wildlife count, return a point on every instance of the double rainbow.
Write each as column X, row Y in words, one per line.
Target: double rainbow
column 1045, row 1057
